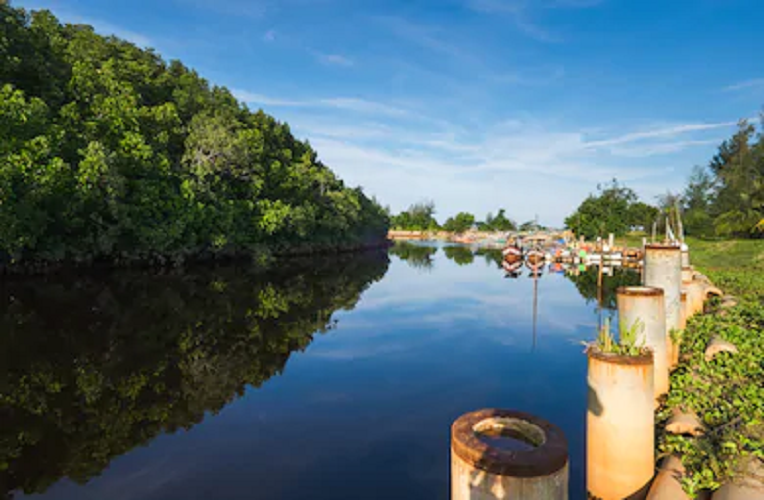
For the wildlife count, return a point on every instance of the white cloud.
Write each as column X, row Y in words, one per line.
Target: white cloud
column 519, row 11
column 252, row 98
column 662, row 132
column 334, row 59
column 269, row 36
column 748, row 84
column 353, row 104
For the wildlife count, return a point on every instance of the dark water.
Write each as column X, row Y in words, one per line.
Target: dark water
column 330, row 379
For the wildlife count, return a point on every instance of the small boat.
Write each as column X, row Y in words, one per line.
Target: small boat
column 512, row 269
column 512, row 254
column 535, row 258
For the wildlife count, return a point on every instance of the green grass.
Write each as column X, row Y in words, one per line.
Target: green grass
column 728, row 392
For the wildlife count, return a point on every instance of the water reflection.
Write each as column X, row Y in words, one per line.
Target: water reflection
column 417, row 255
column 95, row 366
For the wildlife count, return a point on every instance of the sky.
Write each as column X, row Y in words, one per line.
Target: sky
column 476, row 105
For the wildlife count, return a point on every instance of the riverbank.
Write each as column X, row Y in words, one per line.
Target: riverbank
column 727, row 393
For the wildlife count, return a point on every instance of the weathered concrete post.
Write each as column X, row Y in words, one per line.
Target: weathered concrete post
column 695, row 298
column 663, row 269
column 507, row 455
column 620, row 434
column 645, row 308
column 685, row 255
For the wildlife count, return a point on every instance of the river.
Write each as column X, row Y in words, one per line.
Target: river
column 328, row 378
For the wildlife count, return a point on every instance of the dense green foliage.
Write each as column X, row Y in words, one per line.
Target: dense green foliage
column 107, row 152
column 418, row 217
column 421, row 217
column 614, row 209
column 95, row 366
column 727, row 197
column 728, row 392
column 499, row 222
column 459, row 223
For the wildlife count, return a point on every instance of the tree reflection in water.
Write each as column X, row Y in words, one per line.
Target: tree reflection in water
column 95, row 366
column 415, row 255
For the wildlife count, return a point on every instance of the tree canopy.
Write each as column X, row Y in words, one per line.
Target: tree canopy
column 419, row 217
column 459, row 223
column 108, row 152
column 499, row 222
column 614, row 209
column 727, row 197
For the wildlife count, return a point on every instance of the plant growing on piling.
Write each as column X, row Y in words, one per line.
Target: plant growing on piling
column 627, row 343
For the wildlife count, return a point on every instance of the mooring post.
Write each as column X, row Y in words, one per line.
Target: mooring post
column 687, row 271
column 695, row 291
column 507, row 455
column 620, row 425
column 663, row 269
column 644, row 308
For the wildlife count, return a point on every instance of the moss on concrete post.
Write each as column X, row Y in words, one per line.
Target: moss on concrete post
column 620, row 431
column 507, row 455
column 645, row 307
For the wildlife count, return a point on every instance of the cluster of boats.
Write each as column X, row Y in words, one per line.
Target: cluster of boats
column 515, row 256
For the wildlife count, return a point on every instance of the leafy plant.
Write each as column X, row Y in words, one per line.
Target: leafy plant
column 627, row 343
column 728, row 392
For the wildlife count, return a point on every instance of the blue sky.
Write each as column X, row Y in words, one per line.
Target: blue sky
column 475, row 104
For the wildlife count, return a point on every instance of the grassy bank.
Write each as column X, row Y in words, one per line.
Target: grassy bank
column 727, row 393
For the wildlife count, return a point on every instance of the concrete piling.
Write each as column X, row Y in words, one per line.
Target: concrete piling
column 695, row 298
column 645, row 307
column 663, row 269
column 620, row 438
column 507, row 455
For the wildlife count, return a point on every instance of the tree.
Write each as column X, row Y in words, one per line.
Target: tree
column 642, row 216
column 604, row 213
column 459, row 223
column 697, row 201
column 418, row 217
column 109, row 153
column 500, row 222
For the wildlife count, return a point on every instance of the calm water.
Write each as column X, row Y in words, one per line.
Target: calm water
column 332, row 379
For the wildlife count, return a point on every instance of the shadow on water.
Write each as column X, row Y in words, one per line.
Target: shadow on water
column 93, row 366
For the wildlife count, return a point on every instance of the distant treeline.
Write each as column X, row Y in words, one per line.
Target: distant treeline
column 107, row 152
column 724, row 199
column 421, row 217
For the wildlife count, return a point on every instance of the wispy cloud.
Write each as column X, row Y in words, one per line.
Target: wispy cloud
column 519, row 12
column 747, row 84
column 334, row 59
column 661, row 132
column 522, row 13
column 239, row 8
column 253, row 98
column 269, row 36
column 342, row 103
column 427, row 36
